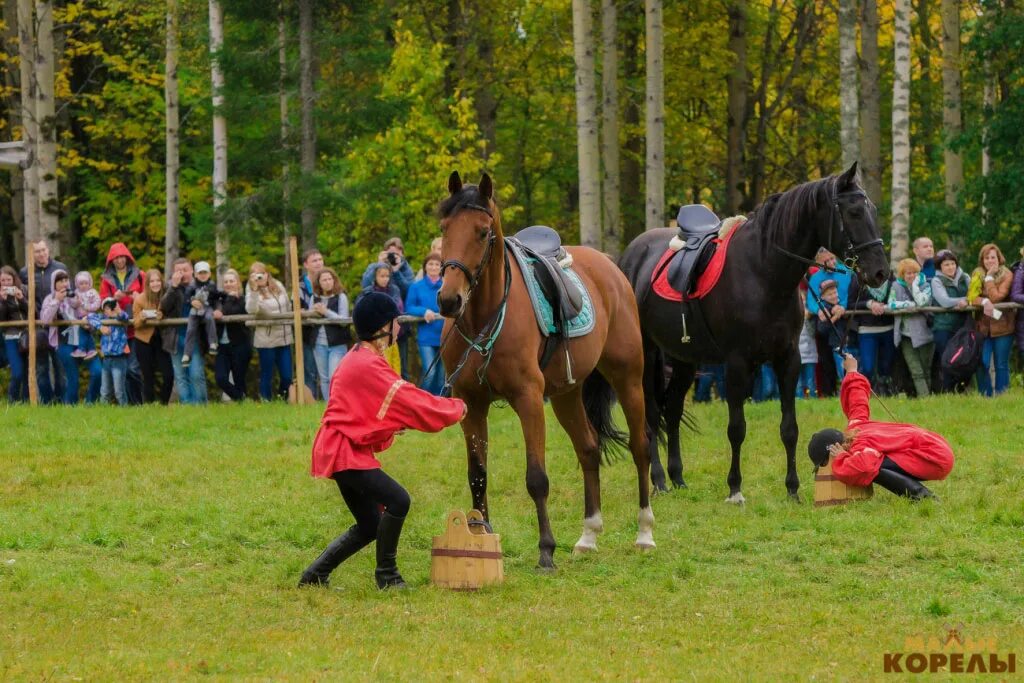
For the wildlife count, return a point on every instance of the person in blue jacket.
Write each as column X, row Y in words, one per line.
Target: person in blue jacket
column 422, row 301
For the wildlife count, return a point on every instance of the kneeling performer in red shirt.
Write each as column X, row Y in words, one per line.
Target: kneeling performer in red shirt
column 896, row 456
column 368, row 404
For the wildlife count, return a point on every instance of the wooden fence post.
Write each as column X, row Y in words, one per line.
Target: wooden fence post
column 33, row 383
column 299, row 372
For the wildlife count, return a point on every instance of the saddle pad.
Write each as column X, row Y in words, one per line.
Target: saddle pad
column 578, row 326
column 707, row 280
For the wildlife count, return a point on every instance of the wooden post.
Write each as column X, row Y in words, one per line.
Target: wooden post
column 300, row 382
column 33, row 384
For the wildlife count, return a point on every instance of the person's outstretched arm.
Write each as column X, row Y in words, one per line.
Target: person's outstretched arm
column 855, row 392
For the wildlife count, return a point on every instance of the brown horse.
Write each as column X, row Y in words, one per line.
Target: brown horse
column 496, row 350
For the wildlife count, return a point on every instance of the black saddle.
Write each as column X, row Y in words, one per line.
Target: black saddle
column 544, row 246
column 698, row 228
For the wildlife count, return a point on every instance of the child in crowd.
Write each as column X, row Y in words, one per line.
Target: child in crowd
column 911, row 333
column 384, row 283
column 90, row 303
column 203, row 295
column 114, row 345
column 895, row 456
column 834, row 326
column 806, row 386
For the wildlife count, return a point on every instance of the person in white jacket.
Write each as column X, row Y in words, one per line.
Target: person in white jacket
column 265, row 296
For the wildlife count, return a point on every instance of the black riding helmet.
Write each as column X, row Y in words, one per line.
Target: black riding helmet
column 817, row 448
column 373, row 311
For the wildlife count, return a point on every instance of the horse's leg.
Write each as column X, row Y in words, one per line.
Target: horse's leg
column 653, row 383
column 787, row 370
column 737, row 387
column 474, row 429
column 631, row 397
column 529, row 406
column 573, row 418
column 675, row 396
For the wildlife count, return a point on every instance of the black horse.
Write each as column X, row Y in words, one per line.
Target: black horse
column 753, row 314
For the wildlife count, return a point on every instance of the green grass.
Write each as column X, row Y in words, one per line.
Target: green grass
column 166, row 542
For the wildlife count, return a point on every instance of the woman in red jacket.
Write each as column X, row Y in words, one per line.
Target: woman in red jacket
column 895, row 456
column 368, row 404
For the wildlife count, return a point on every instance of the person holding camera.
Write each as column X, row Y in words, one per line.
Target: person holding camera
column 393, row 256
column 265, row 296
column 63, row 304
column 14, row 306
column 191, row 378
column 153, row 345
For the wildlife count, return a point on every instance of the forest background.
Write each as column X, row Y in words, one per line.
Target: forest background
column 344, row 118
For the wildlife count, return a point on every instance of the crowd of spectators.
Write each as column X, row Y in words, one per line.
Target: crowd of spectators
column 143, row 363
column 138, row 362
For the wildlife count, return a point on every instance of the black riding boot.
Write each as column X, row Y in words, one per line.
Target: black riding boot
column 388, row 532
column 340, row 549
column 902, row 485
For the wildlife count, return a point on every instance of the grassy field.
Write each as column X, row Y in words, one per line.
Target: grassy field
column 165, row 543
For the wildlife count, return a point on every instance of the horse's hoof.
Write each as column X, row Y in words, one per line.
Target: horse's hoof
column 659, row 487
column 583, row 549
column 550, row 568
column 794, row 497
column 736, row 499
column 645, row 544
column 680, row 484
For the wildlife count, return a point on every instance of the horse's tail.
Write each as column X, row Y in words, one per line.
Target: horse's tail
column 598, row 397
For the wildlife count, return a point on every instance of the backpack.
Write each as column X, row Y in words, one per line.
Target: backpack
column 963, row 353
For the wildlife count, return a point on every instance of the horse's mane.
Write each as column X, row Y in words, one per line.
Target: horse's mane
column 785, row 209
column 469, row 194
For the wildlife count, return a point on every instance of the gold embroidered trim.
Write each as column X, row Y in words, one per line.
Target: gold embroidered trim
column 387, row 399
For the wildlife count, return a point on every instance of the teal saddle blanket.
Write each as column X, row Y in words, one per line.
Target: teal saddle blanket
column 579, row 326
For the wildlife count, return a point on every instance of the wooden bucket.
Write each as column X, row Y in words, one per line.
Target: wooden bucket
column 468, row 555
column 830, row 491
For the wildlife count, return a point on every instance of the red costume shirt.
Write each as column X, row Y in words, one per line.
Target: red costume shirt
column 921, row 453
column 368, row 403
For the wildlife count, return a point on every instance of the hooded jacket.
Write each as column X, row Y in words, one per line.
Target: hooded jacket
column 110, row 283
column 52, row 309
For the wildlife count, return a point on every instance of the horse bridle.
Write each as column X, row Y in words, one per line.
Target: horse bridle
column 474, row 277
column 851, row 249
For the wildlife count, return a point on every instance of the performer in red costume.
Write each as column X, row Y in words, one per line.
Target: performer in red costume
column 895, row 456
column 368, row 404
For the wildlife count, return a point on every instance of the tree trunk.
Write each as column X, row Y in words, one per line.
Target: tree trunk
column 630, row 192
column 307, row 93
column 173, row 164
column 736, row 83
column 849, row 127
column 901, row 132
column 951, row 125
column 989, row 102
column 30, row 128
column 870, row 116
column 14, row 251
column 612, row 218
column 927, row 123
column 655, row 117
column 586, row 125
column 220, row 137
column 49, row 203
column 282, row 95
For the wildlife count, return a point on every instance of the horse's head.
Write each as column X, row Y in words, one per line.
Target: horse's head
column 470, row 225
column 852, row 230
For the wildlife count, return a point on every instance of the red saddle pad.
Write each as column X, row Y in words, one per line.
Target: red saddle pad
column 707, row 280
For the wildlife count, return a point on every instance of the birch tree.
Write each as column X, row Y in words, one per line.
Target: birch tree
column 612, row 218
column 655, row 116
column 282, row 96
column 307, row 94
column 870, row 116
column 951, row 122
column 901, row 132
column 173, row 164
column 586, row 124
column 220, row 137
column 46, row 144
column 736, row 84
column 30, row 129
column 849, row 129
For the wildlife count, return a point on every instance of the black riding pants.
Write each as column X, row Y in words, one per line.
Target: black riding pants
column 365, row 492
